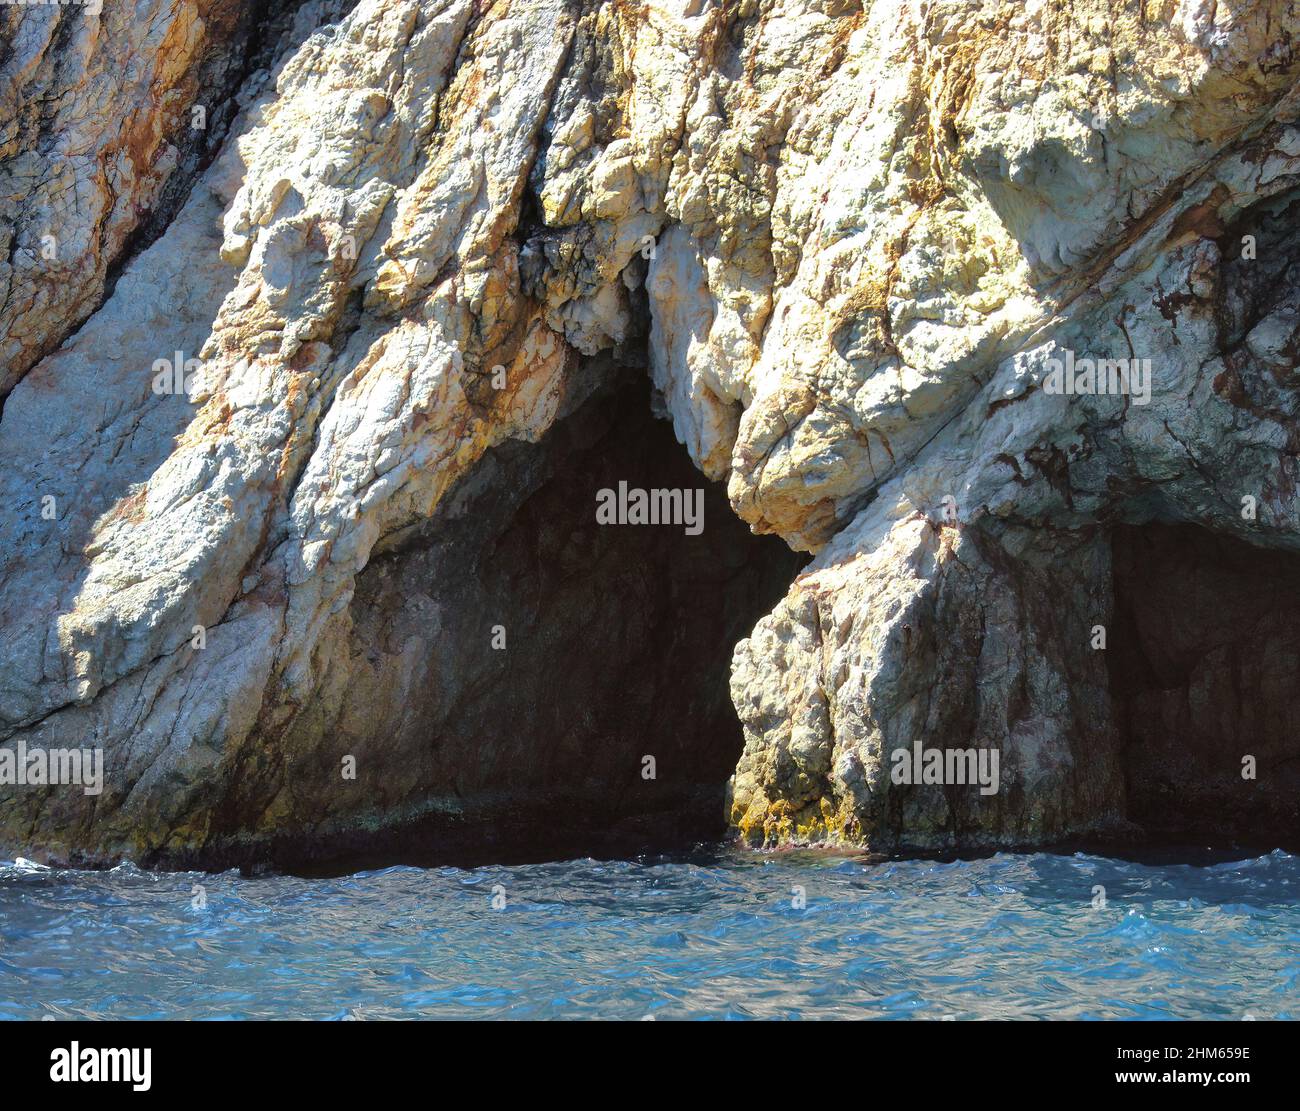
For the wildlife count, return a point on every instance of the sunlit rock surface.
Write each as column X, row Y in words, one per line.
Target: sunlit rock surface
column 847, row 243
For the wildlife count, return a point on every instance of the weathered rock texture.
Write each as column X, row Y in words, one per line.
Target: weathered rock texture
column 104, row 120
column 1114, row 187
column 845, row 239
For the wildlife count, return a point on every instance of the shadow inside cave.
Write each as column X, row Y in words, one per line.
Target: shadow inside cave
column 617, row 639
column 1204, row 658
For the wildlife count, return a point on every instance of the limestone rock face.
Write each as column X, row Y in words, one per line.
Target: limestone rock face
column 285, row 395
column 106, row 113
column 1107, row 216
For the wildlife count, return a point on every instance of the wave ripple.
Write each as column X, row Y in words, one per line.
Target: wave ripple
column 721, row 935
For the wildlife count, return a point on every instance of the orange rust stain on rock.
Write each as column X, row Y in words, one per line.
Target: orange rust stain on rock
column 1201, row 221
column 129, row 508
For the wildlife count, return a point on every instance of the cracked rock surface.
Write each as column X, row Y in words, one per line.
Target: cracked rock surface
column 847, row 243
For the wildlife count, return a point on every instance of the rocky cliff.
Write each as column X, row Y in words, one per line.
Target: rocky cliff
column 325, row 324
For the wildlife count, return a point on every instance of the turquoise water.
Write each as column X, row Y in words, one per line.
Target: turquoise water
column 716, row 935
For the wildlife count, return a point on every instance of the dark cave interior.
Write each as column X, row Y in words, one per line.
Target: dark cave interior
column 1204, row 658
column 618, row 646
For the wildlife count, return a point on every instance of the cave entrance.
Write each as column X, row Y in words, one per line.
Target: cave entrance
column 1203, row 672
column 574, row 687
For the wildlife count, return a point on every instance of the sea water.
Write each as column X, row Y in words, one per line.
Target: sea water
column 717, row 934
